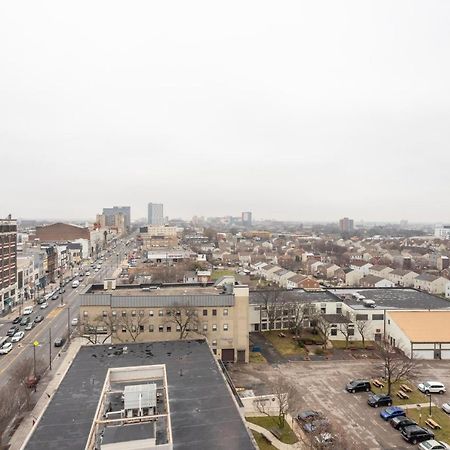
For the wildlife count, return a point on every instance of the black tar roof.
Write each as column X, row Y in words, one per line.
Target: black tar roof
column 299, row 295
column 203, row 412
column 395, row 298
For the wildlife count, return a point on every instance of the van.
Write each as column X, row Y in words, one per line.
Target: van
column 75, row 284
column 28, row 310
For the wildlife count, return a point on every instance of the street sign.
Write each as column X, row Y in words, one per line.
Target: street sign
column 35, row 343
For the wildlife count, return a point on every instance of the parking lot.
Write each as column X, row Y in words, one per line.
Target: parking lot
column 321, row 386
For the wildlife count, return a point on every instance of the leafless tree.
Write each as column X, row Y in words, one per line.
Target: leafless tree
column 300, row 312
column 361, row 326
column 100, row 329
column 133, row 324
column 325, row 435
column 274, row 305
column 8, row 410
column 185, row 319
column 324, row 327
column 286, row 397
column 347, row 329
column 396, row 366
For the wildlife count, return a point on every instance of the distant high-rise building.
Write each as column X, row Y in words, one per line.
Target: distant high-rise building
column 442, row 231
column 246, row 218
column 8, row 263
column 346, row 225
column 155, row 214
column 111, row 213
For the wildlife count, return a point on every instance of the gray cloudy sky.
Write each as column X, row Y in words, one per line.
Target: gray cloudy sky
column 297, row 110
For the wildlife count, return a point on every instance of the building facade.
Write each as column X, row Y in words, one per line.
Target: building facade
column 155, row 214
column 111, row 213
column 61, row 232
column 346, row 225
column 8, row 263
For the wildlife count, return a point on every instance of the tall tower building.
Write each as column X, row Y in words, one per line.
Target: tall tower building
column 246, row 218
column 8, row 262
column 111, row 213
column 346, row 225
column 155, row 214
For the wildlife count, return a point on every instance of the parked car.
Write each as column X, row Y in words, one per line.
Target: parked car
column 75, row 284
column 358, row 386
column 38, row 319
column 391, row 412
column 28, row 310
column 17, row 336
column 401, row 422
column 62, row 290
column 41, row 300
column 12, row 331
column 308, row 415
column 29, row 326
column 446, row 407
column 431, row 387
column 55, row 296
column 434, row 445
column 44, row 305
column 6, row 348
column 59, row 342
column 24, row 321
column 415, row 434
column 88, row 273
column 379, row 400
column 17, row 320
column 74, row 321
column 316, row 425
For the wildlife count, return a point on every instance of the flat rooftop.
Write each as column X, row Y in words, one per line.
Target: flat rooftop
column 204, row 415
column 393, row 298
column 293, row 295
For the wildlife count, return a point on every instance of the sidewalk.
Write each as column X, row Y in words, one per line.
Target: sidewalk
column 31, row 419
column 272, row 439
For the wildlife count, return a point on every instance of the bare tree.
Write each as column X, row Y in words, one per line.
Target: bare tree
column 362, row 326
column 185, row 319
column 8, row 410
column 324, row 327
column 274, row 304
column 132, row 324
column 100, row 329
column 286, row 397
column 299, row 314
column 396, row 366
column 347, row 329
column 324, row 435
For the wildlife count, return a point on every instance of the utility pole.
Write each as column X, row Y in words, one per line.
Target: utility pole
column 68, row 324
column 50, row 345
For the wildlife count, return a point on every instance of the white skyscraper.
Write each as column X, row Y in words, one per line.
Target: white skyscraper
column 155, row 214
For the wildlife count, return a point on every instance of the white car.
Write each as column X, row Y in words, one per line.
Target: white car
column 446, row 407
column 88, row 273
column 27, row 311
column 74, row 321
column 18, row 336
column 44, row 305
column 431, row 444
column 96, row 269
column 431, row 387
column 6, row 348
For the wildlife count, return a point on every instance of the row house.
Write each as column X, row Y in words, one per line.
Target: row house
column 380, row 270
column 431, row 283
column 331, row 271
column 374, row 281
column 361, row 266
column 402, row 277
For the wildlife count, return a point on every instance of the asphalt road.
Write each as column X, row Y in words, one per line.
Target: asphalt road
column 55, row 324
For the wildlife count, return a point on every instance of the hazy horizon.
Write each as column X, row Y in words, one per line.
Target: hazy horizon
column 295, row 111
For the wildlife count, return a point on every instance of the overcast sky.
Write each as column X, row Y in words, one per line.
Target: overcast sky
column 299, row 110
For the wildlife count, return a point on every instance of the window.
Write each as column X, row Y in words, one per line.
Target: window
column 225, row 327
column 178, row 328
column 377, row 316
column 351, row 331
column 151, row 328
column 150, row 313
column 141, row 328
column 225, row 312
column 113, row 328
column 104, row 313
column 168, row 312
column 85, row 313
column 124, row 314
column 161, row 328
column 205, row 312
column 214, row 342
column 141, row 312
column 160, row 313
column 169, row 329
column 214, row 327
column 333, row 332
column 338, row 308
column 133, row 313
column 124, row 330
column 362, row 317
column 133, row 328
column 205, row 327
column 214, row 351
column 114, row 313
column 214, row 312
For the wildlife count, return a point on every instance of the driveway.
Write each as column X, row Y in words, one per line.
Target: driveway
column 267, row 349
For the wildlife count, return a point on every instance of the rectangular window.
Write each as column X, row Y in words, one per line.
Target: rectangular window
column 214, row 312
column 141, row 328
column 333, row 332
column 150, row 313
column 225, row 327
column 151, row 328
column 124, row 330
column 205, row 327
column 141, row 312
column 160, row 313
column 169, row 329
column 178, row 328
column 104, row 313
column 377, row 316
column 362, row 317
column 205, row 312
column 214, row 327
column 225, row 312
column 161, row 328
column 124, row 313
column 351, row 331
column 133, row 313
column 85, row 313
column 214, row 342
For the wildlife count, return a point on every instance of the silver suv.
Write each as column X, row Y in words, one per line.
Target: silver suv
column 431, row 387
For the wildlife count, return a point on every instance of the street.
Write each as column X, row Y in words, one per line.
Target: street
column 57, row 321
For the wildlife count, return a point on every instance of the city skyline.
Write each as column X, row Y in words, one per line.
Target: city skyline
column 347, row 126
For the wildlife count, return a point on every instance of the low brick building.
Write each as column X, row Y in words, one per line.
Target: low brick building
column 61, row 232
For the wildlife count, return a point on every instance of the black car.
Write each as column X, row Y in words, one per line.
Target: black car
column 59, row 342
column 415, row 434
column 55, row 296
column 12, row 331
column 24, row 321
column 376, row 400
column 401, row 422
column 17, row 320
column 358, row 386
column 308, row 415
column 38, row 319
column 41, row 300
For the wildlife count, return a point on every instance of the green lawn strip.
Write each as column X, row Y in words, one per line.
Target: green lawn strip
column 438, row 415
column 216, row 274
column 352, row 345
column 287, row 435
column 415, row 396
column 262, row 442
column 285, row 345
column 257, row 358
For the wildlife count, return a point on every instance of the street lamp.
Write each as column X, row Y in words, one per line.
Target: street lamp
column 429, row 395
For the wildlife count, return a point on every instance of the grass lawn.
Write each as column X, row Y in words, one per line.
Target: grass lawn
column 257, row 358
column 216, row 274
column 351, row 344
column 287, row 435
column 438, row 416
column 262, row 442
column 286, row 346
column 414, row 397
